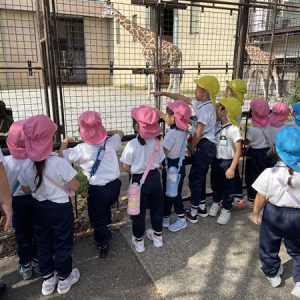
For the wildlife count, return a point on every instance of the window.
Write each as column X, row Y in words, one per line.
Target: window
column 134, row 21
column 195, row 19
column 118, row 38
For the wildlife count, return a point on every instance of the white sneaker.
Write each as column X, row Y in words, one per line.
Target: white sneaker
column 213, row 211
column 157, row 240
column 166, row 222
column 224, row 217
column 296, row 290
column 275, row 281
column 65, row 285
column 139, row 246
column 49, row 285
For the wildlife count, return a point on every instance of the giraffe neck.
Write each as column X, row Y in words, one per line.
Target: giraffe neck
column 143, row 35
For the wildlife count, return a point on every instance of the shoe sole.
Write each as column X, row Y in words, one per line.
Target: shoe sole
column 48, row 293
column 150, row 238
column 213, row 215
column 192, row 221
column 179, row 228
column 203, row 215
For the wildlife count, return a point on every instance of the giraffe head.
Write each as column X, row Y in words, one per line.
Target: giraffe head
column 108, row 11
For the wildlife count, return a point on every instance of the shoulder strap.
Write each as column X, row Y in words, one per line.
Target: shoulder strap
column 17, row 184
column 288, row 190
column 149, row 164
column 182, row 151
column 228, row 125
column 97, row 160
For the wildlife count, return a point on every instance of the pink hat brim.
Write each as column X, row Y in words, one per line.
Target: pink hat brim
column 93, row 136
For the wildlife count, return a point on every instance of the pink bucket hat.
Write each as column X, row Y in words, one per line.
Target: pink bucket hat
column 280, row 112
column 92, row 131
column 182, row 113
column 16, row 140
column 39, row 132
column 260, row 112
column 147, row 117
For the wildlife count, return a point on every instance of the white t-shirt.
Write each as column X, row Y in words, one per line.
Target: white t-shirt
column 85, row 155
column 226, row 136
column 13, row 166
column 1, row 156
column 258, row 138
column 206, row 114
column 173, row 141
column 137, row 156
column 268, row 185
column 56, row 168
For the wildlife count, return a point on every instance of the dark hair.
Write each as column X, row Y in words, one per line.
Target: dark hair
column 40, row 167
column 170, row 112
column 291, row 172
column 272, row 156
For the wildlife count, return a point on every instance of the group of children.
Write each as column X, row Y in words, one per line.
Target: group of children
column 41, row 184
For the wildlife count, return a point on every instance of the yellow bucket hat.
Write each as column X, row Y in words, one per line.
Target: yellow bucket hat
column 239, row 87
column 209, row 83
column 233, row 109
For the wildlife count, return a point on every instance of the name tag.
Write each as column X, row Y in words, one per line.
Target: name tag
column 223, row 141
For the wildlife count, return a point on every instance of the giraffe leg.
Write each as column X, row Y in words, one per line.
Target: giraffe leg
column 276, row 80
column 250, row 76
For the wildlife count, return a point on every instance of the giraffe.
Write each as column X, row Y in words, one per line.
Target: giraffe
column 168, row 53
column 259, row 60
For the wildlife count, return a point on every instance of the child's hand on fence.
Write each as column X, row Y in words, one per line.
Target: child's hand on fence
column 68, row 140
column 156, row 94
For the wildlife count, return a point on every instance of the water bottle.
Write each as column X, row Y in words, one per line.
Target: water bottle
column 134, row 199
column 172, row 182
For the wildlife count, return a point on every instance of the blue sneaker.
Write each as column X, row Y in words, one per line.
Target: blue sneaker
column 26, row 273
column 180, row 223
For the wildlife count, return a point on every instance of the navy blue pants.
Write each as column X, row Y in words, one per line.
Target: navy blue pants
column 256, row 163
column 152, row 197
column 54, row 232
column 279, row 223
column 203, row 156
column 100, row 200
column 238, row 190
column 223, row 188
column 23, row 223
column 176, row 201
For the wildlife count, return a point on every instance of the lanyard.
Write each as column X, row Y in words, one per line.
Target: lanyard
column 228, row 125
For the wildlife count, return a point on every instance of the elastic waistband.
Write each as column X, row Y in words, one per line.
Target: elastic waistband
column 283, row 207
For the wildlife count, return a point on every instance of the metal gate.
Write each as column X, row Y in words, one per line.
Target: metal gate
column 61, row 57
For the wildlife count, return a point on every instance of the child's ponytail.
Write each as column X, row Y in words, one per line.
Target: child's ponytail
column 291, row 172
column 40, row 167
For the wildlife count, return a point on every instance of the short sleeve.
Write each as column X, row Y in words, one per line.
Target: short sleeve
column 72, row 154
column 261, row 183
column 65, row 170
column 115, row 142
column 236, row 136
column 249, row 134
column 169, row 140
column 128, row 154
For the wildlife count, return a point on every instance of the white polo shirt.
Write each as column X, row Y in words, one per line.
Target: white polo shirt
column 226, row 136
column 85, row 155
column 173, row 142
column 268, row 185
column 137, row 156
column 13, row 167
column 206, row 114
column 258, row 138
column 56, row 168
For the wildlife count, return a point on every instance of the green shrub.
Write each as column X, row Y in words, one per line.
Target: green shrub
column 294, row 94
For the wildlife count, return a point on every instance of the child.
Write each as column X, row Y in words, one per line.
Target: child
column 177, row 117
column 22, row 203
column 98, row 160
column 296, row 112
column 135, row 158
column 278, row 191
column 228, row 154
column 259, row 144
column 46, row 177
column 280, row 112
column 204, row 140
column 237, row 88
